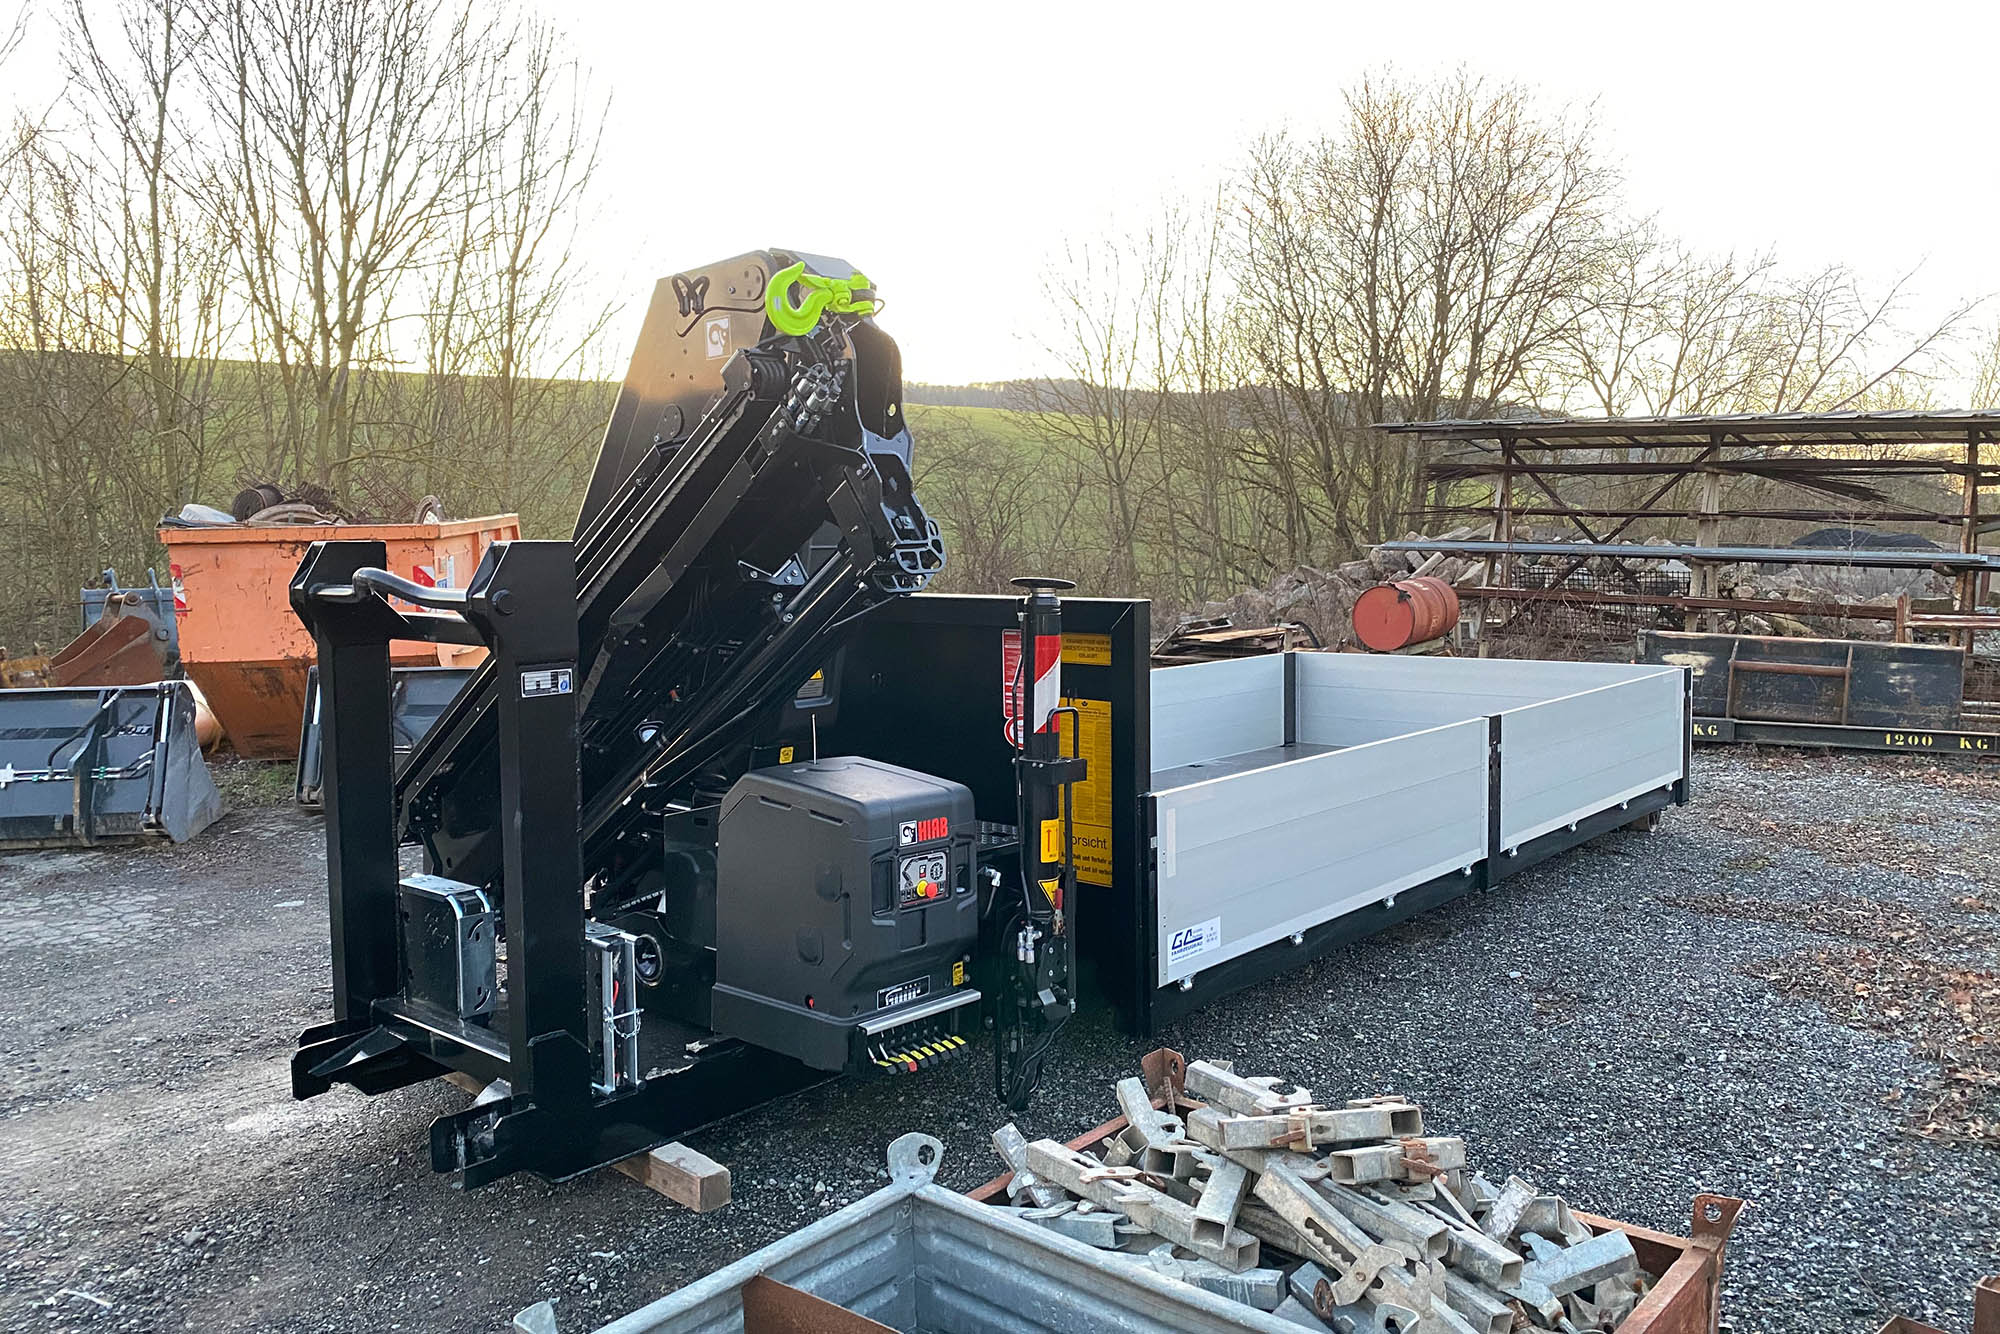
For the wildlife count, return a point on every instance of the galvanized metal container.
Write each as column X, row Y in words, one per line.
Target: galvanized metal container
column 917, row 1257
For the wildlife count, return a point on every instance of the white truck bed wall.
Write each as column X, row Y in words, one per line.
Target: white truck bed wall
column 1582, row 753
column 1345, row 699
column 1251, row 858
column 1210, row 709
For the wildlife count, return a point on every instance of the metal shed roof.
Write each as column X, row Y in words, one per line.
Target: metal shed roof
column 1892, row 559
column 1748, row 428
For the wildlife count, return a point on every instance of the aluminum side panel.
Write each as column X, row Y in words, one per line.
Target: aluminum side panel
column 1206, row 710
column 1350, row 699
column 1257, row 856
column 1571, row 757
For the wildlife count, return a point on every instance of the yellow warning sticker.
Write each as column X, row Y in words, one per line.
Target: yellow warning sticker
column 1086, row 650
column 785, row 754
column 1052, row 840
column 1049, row 887
column 1093, row 853
column 958, row 973
column 1090, row 800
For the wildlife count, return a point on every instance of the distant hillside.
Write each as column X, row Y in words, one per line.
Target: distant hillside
column 996, row 395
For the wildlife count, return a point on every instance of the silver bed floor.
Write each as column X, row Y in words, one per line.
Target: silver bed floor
column 1224, row 766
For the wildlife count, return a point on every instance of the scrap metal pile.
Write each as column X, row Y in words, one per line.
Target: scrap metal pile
column 1337, row 1216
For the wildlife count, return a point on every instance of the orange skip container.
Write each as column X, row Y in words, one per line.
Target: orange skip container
column 240, row 641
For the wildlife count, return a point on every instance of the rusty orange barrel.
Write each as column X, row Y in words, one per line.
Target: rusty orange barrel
column 241, row 643
column 1408, row 611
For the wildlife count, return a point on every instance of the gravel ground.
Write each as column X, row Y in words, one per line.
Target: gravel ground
column 1618, row 1024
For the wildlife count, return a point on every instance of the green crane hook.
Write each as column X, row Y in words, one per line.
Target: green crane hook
column 822, row 294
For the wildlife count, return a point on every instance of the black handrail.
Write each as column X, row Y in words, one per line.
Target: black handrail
column 380, row 583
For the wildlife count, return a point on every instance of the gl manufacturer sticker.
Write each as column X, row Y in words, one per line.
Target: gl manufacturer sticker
column 1190, row 941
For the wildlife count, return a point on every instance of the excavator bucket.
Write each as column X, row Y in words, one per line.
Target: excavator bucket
column 124, row 646
column 81, row 766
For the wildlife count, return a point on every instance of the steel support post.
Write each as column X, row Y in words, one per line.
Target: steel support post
column 1708, row 530
column 1968, row 538
column 358, row 759
column 524, row 603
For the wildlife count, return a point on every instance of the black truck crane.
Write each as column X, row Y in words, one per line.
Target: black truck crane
column 646, row 899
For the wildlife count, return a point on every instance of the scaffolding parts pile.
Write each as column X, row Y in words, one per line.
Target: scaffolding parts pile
column 1141, row 1227
column 1340, row 1215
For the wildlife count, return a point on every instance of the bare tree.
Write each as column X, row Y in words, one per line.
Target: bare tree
column 13, row 30
column 356, row 129
column 113, row 301
column 154, row 249
column 991, row 498
column 1099, row 415
column 1986, row 371
column 66, row 392
column 247, row 218
column 1837, row 345
column 1666, row 330
column 1422, row 261
column 506, row 343
column 1221, row 530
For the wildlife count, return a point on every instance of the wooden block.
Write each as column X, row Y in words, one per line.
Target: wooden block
column 676, row 1171
column 682, row 1175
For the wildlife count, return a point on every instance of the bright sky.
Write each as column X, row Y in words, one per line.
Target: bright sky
column 948, row 150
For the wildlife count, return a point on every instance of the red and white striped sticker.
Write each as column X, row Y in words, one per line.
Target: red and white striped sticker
column 180, row 589
column 1047, row 690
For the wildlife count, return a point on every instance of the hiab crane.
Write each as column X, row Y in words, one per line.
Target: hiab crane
column 647, row 899
column 734, row 806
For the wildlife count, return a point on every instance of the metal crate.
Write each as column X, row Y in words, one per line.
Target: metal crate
column 924, row 1260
